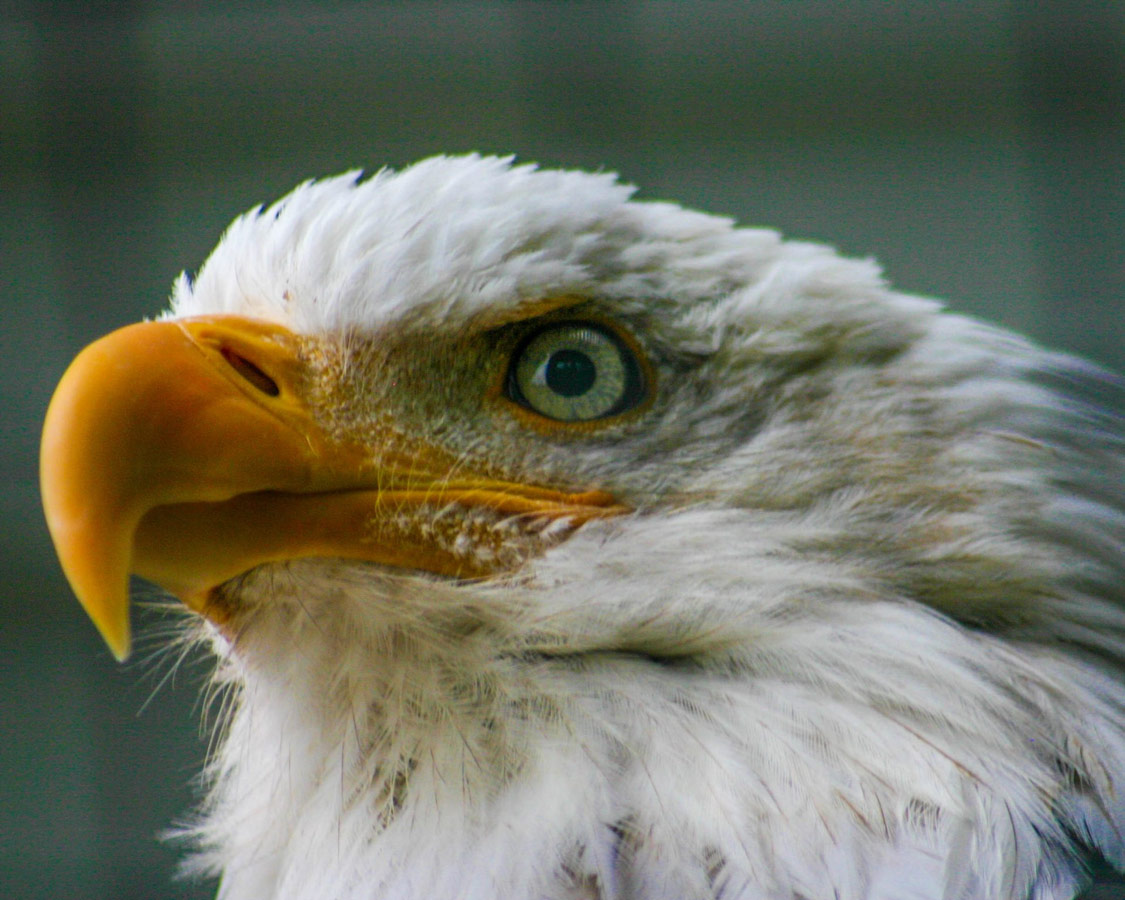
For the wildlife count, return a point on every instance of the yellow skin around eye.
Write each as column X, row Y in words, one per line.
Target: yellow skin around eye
column 610, row 380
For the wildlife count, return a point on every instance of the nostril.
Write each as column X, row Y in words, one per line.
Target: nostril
column 251, row 372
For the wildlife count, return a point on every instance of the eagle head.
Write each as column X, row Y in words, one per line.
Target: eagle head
column 552, row 544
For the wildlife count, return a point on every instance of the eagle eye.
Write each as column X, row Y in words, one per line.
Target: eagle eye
column 575, row 372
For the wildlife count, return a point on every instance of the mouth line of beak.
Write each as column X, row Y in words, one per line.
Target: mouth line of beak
column 464, row 531
column 323, row 518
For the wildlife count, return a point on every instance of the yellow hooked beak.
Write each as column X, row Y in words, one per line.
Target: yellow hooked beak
column 188, row 452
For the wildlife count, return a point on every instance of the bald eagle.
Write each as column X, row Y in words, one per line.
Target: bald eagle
column 553, row 544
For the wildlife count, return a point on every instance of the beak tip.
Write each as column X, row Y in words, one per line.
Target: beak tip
column 121, row 646
column 117, row 637
column 112, row 622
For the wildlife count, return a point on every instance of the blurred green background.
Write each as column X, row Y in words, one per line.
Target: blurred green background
column 976, row 148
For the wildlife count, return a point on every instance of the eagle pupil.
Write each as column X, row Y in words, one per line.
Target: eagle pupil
column 570, row 373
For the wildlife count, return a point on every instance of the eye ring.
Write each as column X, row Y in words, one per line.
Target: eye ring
column 575, row 372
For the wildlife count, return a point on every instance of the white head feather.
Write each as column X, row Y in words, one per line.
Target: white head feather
column 863, row 637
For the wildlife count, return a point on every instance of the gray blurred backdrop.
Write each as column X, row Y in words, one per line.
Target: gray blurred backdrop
column 976, row 148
